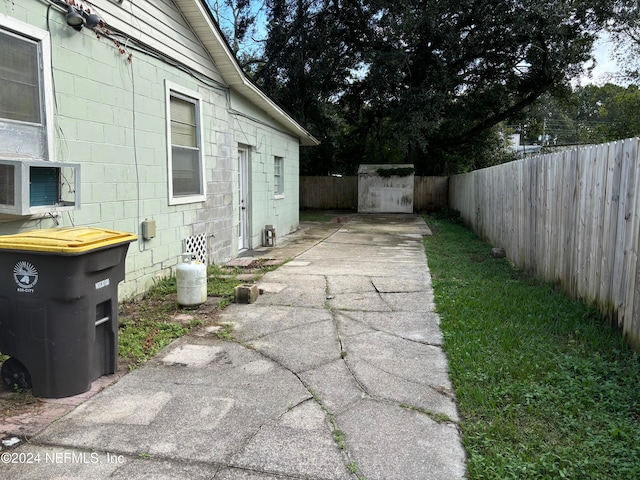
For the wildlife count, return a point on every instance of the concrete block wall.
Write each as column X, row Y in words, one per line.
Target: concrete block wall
column 110, row 118
column 265, row 144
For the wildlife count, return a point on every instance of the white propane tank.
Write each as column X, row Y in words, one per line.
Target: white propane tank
column 191, row 279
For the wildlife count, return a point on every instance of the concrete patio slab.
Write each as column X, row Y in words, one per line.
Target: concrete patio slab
column 335, row 372
column 392, row 442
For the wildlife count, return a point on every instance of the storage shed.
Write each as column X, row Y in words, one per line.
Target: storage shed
column 385, row 188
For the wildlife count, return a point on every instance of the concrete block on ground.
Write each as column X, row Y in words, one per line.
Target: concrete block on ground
column 245, row 293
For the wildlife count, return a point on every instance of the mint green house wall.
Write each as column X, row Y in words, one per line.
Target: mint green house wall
column 267, row 207
column 110, row 116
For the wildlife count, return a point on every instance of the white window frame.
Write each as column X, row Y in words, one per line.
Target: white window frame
column 42, row 37
column 278, row 177
column 178, row 91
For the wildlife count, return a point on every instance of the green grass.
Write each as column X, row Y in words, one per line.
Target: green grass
column 141, row 339
column 221, row 282
column 151, row 328
column 225, row 332
column 546, row 389
column 315, row 216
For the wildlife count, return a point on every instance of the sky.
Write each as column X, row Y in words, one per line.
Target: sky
column 606, row 66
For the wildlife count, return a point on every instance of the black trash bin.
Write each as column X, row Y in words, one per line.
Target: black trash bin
column 59, row 307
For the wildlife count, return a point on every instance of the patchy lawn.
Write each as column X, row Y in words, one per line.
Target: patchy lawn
column 546, row 388
column 149, row 324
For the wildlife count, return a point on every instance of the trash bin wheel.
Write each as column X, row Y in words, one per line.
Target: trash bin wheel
column 15, row 375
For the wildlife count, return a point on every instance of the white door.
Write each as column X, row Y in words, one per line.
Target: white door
column 243, row 196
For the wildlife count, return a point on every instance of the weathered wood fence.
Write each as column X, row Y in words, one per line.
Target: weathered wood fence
column 571, row 217
column 430, row 193
column 329, row 193
column 341, row 193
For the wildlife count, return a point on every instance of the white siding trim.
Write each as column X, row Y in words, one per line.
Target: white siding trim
column 179, row 89
column 43, row 37
column 161, row 26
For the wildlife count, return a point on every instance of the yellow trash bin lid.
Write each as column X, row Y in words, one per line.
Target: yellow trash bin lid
column 66, row 241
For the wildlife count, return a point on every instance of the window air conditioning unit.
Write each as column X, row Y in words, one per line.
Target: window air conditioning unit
column 29, row 187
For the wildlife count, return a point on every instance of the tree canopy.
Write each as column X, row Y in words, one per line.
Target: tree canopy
column 625, row 33
column 590, row 114
column 421, row 81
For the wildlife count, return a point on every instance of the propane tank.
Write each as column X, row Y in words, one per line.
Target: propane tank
column 191, row 279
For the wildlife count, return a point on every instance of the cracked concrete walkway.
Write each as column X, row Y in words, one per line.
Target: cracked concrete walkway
column 337, row 372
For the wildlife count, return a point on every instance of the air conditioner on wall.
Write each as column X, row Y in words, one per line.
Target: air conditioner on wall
column 29, row 187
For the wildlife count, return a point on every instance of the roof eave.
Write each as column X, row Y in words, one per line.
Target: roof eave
column 199, row 17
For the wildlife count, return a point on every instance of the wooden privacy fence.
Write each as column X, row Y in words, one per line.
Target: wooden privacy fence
column 430, row 193
column 329, row 193
column 341, row 193
column 571, row 217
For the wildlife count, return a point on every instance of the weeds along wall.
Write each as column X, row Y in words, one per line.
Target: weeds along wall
column 572, row 218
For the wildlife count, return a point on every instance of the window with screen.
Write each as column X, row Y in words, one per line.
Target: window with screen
column 25, row 97
column 186, row 160
column 278, row 179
